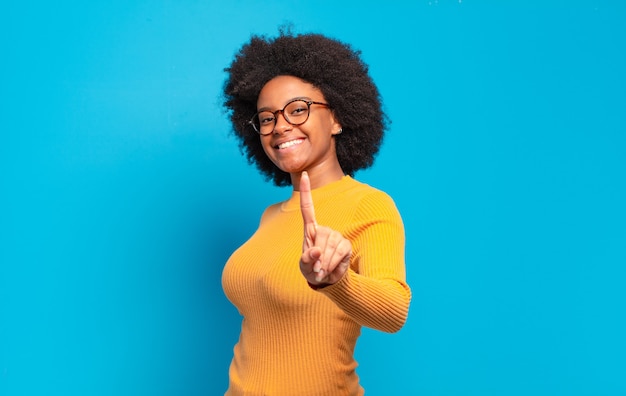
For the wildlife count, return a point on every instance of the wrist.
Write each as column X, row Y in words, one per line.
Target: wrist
column 318, row 286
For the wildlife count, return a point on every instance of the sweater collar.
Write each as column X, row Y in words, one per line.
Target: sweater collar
column 319, row 195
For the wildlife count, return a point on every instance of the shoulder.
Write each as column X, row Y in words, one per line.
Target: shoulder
column 371, row 199
column 368, row 192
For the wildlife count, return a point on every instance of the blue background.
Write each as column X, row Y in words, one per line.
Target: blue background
column 122, row 193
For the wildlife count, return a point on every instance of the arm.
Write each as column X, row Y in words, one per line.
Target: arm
column 374, row 291
column 363, row 272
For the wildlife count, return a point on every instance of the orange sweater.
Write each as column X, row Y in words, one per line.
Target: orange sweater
column 299, row 341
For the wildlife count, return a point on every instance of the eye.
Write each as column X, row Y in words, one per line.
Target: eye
column 298, row 108
column 266, row 118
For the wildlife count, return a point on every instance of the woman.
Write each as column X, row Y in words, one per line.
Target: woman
column 330, row 258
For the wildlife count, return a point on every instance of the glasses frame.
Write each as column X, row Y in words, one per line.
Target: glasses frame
column 282, row 111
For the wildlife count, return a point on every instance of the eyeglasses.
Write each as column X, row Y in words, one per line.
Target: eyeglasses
column 295, row 112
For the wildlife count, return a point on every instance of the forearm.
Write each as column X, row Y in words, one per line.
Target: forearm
column 381, row 304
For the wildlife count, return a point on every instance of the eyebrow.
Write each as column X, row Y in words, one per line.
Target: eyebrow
column 266, row 108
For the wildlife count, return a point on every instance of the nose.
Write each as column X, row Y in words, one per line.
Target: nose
column 281, row 124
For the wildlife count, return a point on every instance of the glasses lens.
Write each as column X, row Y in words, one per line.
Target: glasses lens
column 263, row 122
column 296, row 112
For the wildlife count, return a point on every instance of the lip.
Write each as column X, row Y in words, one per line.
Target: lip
column 283, row 141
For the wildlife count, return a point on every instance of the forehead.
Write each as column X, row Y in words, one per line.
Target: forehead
column 281, row 89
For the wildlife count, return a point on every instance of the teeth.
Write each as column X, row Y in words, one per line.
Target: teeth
column 289, row 143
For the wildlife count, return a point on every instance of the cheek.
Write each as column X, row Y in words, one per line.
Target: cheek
column 269, row 151
column 266, row 147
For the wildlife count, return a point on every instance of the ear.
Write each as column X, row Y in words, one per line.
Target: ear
column 336, row 128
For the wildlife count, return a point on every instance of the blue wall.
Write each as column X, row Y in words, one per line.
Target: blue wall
column 122, row 193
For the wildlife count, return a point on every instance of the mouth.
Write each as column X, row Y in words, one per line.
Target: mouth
column 288, row 144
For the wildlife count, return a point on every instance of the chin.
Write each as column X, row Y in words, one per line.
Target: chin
column 290, row 168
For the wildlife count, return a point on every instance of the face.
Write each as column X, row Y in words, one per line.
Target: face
column 309, row 146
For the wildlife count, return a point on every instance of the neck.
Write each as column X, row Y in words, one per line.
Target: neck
column 318, row 178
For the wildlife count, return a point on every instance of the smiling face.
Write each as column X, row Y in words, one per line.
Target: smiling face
column 307, row 147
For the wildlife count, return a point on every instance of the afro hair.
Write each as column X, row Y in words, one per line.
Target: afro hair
column 328, row 64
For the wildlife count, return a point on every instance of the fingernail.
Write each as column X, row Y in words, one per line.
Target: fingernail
column 319, row 276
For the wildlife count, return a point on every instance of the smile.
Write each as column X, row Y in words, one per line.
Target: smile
column 289, row 144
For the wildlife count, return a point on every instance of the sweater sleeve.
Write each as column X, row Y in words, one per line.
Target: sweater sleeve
column 374, row 292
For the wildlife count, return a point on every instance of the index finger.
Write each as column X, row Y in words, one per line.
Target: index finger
column 306, row 202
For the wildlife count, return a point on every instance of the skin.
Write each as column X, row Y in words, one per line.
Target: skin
column 325, row 252
column 311, row 163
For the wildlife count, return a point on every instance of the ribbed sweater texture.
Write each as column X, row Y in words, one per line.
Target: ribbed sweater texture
column 298, row 341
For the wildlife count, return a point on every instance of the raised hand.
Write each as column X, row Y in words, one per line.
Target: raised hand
column 325, row 252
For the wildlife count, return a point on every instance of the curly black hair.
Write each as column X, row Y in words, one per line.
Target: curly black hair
column 328, row 64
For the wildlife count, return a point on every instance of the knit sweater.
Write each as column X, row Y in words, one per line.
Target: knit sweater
column 297, row 340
